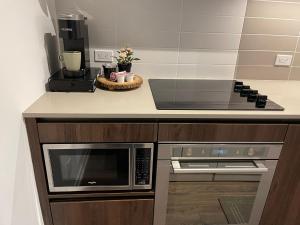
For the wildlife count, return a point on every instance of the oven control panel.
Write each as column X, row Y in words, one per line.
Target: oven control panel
column 143, row 165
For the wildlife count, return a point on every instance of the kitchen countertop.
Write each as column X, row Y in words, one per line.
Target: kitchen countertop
column 138, row 104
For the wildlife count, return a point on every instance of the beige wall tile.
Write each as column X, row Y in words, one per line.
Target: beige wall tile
column 209, row 41
column 154, row 15
column 267, row 42
column 262, row 72
column 153, row 28
column 272, row 9
column 271, row 26
column 273, row 35
column 295, row 73
column 298, row 47
column 256, row 58
column 220, row 72
column 208, row 57
column 155, row 70
column 215, row 7
column 296, row 61
column 207, row 28
column 193, row 22
column 138, row 38
column 159, row 56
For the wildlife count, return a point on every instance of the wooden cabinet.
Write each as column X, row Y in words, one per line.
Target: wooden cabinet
column 283, row 203
column 106, row 212
column 96, row 132
column 222, row 132
column 282, row 206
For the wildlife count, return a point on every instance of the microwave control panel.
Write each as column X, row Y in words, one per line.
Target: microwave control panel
column 143, row 166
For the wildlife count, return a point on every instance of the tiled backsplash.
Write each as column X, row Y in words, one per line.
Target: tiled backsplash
column 270, row 28
column 216, row 39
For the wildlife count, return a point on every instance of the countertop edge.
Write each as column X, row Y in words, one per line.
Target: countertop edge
column 159, row 116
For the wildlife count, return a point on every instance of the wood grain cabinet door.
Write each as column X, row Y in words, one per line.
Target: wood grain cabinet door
column 106, row 212
column 283, row 203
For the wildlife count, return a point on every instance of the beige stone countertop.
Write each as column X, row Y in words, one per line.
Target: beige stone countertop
column 139, row 104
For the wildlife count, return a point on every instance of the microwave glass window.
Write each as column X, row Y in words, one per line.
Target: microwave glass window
column 88, row 167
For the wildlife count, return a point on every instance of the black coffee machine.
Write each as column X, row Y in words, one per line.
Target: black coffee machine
column 73, row 32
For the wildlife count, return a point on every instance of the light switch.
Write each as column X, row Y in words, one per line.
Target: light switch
column 283, row 60
column 103, row 55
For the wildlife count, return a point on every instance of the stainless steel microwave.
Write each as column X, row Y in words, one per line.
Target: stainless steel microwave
column 98, row 167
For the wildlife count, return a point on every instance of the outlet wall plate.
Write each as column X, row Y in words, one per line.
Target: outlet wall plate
column 283, row 60
column 103, row 55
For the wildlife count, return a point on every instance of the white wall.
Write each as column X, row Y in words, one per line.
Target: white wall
column 24, row 71
column 174, row 38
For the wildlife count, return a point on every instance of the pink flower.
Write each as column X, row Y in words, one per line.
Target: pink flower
column 129, row 50
column 123, row 55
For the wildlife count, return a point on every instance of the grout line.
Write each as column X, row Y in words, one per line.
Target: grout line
column 188, row 64
column 272, row 18
column 266, row 65
column 203, row 50
column 179, row 37
column 294, row 54
column 235, row 74
column 265, row 50
column 277, row 1
column 214, row 33
column 237, row 34
column 271, row 35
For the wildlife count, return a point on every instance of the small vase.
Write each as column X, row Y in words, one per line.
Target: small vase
column 125, row 67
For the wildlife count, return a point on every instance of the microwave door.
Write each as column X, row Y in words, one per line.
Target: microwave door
column 88, row 167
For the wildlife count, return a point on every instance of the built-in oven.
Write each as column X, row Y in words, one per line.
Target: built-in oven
column 213, row 183
column 98, row 167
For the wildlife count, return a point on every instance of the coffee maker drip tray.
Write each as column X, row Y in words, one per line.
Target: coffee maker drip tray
column 59, row 82
column 72, row 74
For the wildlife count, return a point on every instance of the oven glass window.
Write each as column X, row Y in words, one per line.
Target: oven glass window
column 89, row 167
column 210, row 203
column 213, row 198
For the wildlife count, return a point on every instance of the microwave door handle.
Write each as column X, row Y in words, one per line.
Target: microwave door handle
column 259, row 169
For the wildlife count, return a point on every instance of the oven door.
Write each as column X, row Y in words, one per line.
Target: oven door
column 218, row 192
column 88, row 167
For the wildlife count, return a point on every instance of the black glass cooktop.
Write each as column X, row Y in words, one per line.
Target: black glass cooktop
column 172, row 94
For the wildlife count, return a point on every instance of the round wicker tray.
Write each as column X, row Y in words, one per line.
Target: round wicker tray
column 111, row 85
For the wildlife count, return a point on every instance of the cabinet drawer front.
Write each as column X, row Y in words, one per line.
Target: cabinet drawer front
column 107, row 212
column 222, row 132
column 96, row 132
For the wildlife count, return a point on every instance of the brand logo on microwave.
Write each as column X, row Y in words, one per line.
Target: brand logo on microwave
column 66, row 29
column 92, row 182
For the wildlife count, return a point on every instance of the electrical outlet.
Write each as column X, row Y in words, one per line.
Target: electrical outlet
column 103, row 55
column 283, row 60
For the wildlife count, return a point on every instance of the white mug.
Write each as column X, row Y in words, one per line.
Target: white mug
column 121, row 78
column 129, row 77
column 71, row 59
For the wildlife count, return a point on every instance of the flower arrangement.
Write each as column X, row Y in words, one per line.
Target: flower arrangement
column 126, row 56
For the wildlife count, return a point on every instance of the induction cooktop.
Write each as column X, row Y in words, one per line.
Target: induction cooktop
column 175, row 94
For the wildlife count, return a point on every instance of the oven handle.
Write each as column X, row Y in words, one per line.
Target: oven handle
column 260, row 169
